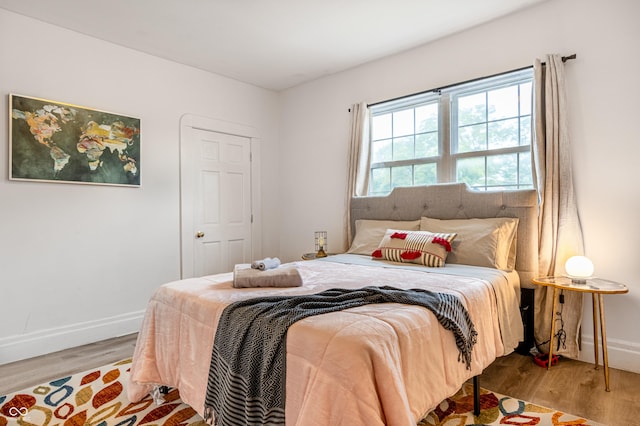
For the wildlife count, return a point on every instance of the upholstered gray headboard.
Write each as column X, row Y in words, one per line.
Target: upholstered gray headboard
column 457, row 201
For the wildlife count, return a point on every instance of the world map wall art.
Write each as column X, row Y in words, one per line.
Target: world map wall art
column 57, row 142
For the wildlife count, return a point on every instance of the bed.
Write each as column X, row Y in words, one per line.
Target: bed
column 378, row 364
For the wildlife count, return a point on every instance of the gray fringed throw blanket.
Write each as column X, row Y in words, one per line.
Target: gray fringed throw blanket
column 248, row 363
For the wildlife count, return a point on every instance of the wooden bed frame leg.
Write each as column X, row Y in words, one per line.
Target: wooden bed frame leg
column 476, row 395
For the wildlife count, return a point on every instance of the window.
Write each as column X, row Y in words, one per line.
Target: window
column 478, row 133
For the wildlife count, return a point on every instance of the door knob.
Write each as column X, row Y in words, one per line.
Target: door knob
column 199, row 234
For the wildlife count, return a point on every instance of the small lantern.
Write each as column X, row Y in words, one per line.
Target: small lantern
column 321, row 243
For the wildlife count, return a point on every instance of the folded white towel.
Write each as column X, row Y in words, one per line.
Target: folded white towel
column 284, row 276
column 266, row 263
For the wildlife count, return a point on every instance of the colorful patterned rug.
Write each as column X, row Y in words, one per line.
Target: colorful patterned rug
column 98, row 398
column 497, row 409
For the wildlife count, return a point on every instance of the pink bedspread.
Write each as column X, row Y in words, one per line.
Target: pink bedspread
column 385, row 364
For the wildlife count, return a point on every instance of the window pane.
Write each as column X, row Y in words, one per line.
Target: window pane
column 381, row 127
column 526, row 177
column 525, row 130
column 472, row 138
column 472, row 109
column 381, row 151
column 403, row 123
column 425, row 174
column 380, row 181
column 427, row 145
column 471, row 171
column 403, row 148
column 503, row 133
column 525, row 98
column 401, row 176
column 502, row 170
column 503, row 103
column 427, row 118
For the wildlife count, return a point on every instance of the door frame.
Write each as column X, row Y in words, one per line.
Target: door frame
column 187, row 228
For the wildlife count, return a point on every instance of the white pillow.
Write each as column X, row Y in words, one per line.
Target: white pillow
column 369, row 233
column 489, row 242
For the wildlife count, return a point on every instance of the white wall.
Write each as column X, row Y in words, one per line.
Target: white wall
column 79, row 262
column 604, row 100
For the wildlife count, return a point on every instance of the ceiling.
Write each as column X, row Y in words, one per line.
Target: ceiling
column 274, row 44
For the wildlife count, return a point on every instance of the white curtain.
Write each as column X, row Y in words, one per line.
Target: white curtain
column 359, row 159
column 560, row 233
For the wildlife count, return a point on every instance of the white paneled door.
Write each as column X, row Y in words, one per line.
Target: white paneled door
column 223, row 202
column 217, row 185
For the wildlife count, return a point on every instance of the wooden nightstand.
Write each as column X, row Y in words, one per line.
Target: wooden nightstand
column 312, row 256
column 597, row 287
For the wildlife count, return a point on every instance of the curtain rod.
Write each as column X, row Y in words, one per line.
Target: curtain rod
column 437, row 89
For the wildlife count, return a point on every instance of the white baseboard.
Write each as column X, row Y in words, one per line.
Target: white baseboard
column 19, row 347
column 623, row 355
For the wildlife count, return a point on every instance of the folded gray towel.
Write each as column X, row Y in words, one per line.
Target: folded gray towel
column 266, row 263
column 285, row 276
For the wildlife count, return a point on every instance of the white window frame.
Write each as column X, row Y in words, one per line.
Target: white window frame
column 447, row 98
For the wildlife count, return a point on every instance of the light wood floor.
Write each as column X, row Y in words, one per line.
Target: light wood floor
column 571, row 386
column 34, row 371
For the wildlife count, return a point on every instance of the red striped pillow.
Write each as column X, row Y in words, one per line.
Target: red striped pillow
column 426, row 248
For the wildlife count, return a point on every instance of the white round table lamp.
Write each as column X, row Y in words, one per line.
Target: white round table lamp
column 579, row 268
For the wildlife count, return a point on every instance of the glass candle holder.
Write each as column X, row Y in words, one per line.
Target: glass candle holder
column 320, row 243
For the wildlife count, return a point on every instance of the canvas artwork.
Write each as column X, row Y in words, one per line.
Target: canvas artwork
column 58, row 142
